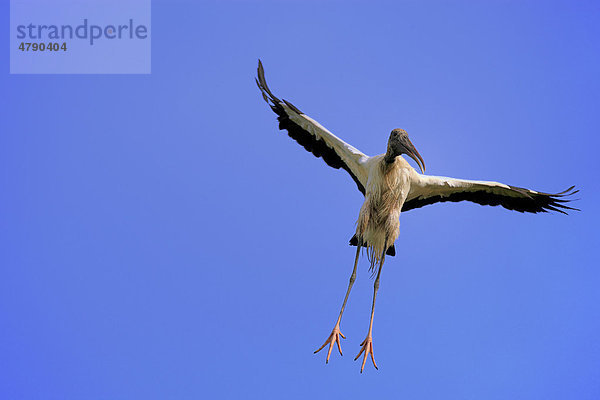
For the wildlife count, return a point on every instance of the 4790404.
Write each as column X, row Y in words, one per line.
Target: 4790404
column 50, row 46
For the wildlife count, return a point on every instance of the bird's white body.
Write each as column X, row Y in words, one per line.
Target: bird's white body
column 387, row 187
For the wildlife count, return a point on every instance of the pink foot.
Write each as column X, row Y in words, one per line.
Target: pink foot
column 367, row 348
column 333, row 338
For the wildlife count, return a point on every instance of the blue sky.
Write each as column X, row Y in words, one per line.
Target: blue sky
column 162, row 239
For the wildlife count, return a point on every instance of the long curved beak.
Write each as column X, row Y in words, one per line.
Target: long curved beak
column 412, row 152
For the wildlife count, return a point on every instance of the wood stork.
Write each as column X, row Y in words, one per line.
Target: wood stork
column 391, row 186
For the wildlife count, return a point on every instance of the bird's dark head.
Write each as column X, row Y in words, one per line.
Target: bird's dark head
column 398, row 144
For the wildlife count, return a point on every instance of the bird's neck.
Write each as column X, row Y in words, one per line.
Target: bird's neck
column 390, row 157
column 388, row 163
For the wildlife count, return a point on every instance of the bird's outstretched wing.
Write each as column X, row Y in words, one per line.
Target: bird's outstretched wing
column 314, row 137
column 434, row 189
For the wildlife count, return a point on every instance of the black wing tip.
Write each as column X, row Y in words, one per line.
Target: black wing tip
column 556, row 201
column 261, row 82
column 260, row 70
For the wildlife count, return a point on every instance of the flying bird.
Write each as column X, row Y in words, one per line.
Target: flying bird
column 391, row 186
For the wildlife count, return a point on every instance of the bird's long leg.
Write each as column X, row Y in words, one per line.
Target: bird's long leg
column 367, row 344
column 334, row 337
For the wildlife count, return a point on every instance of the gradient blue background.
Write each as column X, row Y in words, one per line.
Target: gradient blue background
column 162, row 239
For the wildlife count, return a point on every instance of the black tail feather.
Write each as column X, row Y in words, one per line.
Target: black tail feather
column 391, row 251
